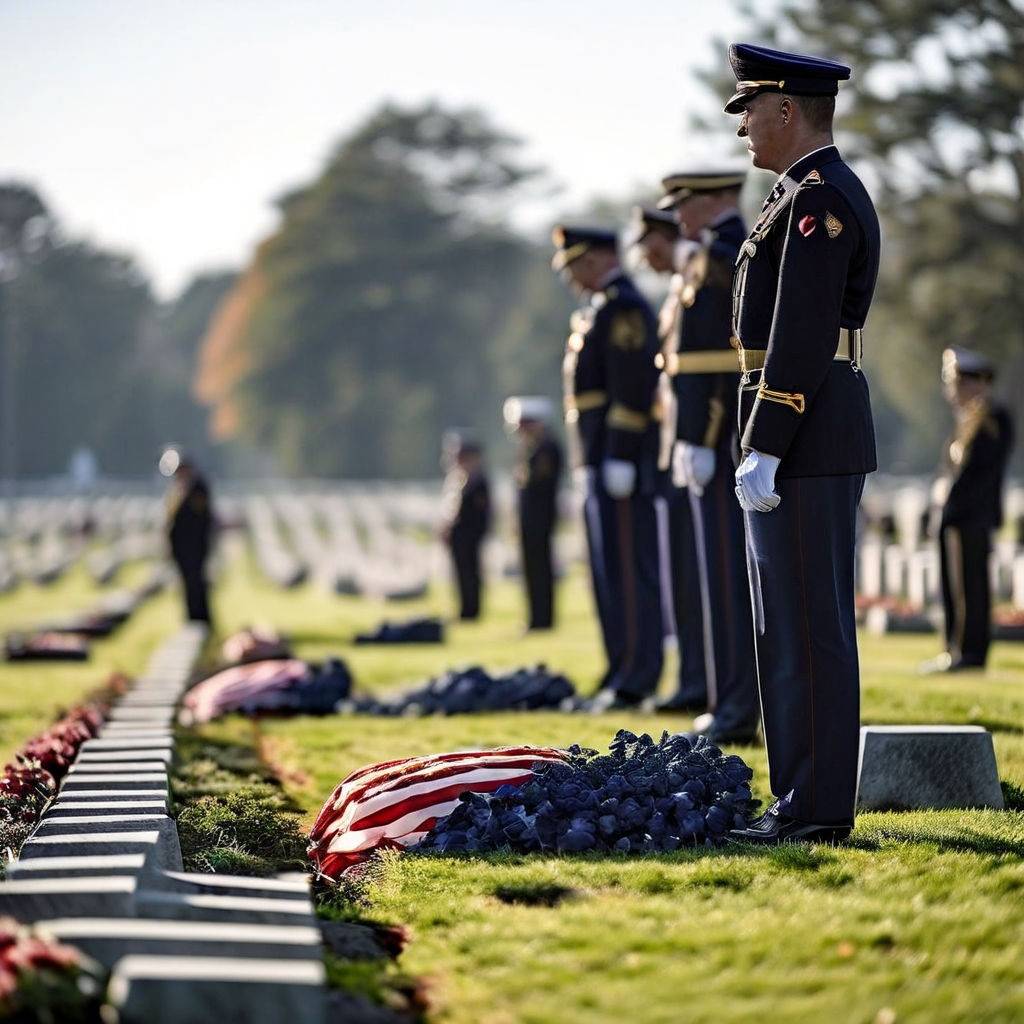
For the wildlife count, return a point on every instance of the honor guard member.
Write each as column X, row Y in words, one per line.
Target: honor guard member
column 705, row 373
column 189, row 529
column 968, row 500
column 803, row 285
column 466, row 504
column 538, row 474
column 655, row 234
column 610, row 379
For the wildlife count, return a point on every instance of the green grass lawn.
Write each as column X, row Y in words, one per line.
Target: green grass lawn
column 919, row 919
column 33, row 693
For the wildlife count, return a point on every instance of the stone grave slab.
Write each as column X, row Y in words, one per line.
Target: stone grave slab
column 218, row 907
column 168, row 990
column 109, row 939
column 34, row 899
column 918, row 767
column 98, row 864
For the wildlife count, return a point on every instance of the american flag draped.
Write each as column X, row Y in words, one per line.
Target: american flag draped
column 395, row 803
column 244, row 686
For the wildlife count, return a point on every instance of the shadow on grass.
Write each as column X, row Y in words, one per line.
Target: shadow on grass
column 998, row 725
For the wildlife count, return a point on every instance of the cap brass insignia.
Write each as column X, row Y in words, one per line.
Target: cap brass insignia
column 833, row 225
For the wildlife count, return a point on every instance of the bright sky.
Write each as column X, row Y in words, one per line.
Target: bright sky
column 166, row 128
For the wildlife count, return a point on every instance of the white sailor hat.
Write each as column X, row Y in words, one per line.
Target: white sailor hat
column 964, row 362
column 528, row 407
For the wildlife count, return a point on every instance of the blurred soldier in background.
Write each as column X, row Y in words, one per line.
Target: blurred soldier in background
column 538, row 473
column 802, row 289
column 466, row 510
column 705, row 372
column 610, row 380
column 968, row 506
column 189, row 529
column 655, row 233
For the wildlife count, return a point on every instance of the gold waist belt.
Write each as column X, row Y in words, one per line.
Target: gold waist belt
column 714, row 360
column 850, row 349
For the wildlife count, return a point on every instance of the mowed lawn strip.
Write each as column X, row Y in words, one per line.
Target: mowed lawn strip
column 918, row 920
column 33, row 693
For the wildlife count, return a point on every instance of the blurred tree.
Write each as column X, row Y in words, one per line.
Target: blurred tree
column 935, row 109
column 88, row 359
column 372, row 318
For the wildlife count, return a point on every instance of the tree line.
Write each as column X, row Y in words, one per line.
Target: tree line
column 395, row 300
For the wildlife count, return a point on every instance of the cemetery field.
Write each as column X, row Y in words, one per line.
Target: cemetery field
column 32, row 694
column 918, row 919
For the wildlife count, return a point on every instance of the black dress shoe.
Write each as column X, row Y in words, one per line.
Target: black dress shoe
column 706, row 725
column 947, row 663
column 774, row 828
column 678, row 704
column 610, row 700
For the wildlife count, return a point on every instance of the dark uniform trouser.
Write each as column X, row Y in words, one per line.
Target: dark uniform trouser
column 800, row 558
column 193, row 579
column 622, row 537
column 539, row 578
column 686, row 599
column 966, row 598
column 466, row 562
column 732, row 688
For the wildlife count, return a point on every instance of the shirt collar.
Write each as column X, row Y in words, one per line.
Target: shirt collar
column 799, row 168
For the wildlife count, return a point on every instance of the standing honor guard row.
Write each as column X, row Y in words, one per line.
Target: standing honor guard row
column 760, row 349
column 610, row 380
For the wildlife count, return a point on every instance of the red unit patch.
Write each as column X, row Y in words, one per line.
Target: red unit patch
column 807, row 225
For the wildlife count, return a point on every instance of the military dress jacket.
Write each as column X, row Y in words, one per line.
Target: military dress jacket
column 807, row 272
column 610, row 376
column 467, row 503
column 537, row 477
column 190, row 521
column 974, row 464
column 706, row 370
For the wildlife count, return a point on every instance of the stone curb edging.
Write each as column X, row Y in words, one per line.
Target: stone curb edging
column 102, row 870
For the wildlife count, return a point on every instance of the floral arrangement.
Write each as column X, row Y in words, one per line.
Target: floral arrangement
column 44, row 980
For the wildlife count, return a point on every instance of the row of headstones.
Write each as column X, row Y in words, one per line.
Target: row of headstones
column 346, row 544
column 103, row 872
column 890, row 570
column 43, row 538
column 902, row 511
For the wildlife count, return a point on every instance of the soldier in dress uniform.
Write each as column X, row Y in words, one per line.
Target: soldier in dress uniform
column 802, row 289
column 190, row 526
column 968, row 502
column 466, row 511
column 655, row 234
column 705, row 373
column 610, row 379
column 538, row 474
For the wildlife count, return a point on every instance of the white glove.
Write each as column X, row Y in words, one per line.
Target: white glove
column 619, row 477
column 681, row 465
column 693, row 466
column 755, row 483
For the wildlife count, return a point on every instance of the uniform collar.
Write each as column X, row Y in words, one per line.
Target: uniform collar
column 799, row 170
column 609, row 279
column 725, row 216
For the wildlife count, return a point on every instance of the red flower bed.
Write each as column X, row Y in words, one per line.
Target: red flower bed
column 42, row 979
column 29, row 783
